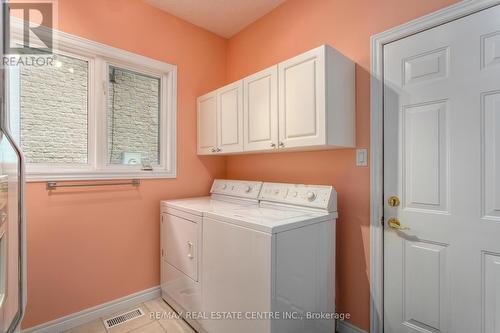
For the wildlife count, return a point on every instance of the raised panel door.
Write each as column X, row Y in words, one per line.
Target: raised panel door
column 260, row 110
column 302, row 100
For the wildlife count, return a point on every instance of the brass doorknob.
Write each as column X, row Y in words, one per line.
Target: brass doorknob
column 394, row 223
column 393, row 201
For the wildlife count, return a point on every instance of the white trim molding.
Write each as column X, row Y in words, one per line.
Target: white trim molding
column 96, row 312
column 346, row 327
column 378, row 41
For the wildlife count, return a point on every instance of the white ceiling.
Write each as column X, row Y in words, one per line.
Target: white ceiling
column 223, row 17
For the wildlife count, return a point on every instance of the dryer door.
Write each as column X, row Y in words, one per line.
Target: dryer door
column 181, row 245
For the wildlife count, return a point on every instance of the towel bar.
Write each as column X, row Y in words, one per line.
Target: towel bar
column 55, row 185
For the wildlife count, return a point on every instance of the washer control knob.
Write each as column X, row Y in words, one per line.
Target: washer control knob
column 310, row 196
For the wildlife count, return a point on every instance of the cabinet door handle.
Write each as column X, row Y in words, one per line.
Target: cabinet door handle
column 213, row 150
column 190, row 250
column 282, row 144
column 273, row 145
column 219, row 150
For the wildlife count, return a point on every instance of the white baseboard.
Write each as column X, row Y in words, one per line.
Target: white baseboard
column 345, row 327
column 93, row 313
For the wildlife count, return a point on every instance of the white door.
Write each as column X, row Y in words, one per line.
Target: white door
column 302, row 100
column 260, row 110
column 207, row 123
column 442, row 160
column 230, row 118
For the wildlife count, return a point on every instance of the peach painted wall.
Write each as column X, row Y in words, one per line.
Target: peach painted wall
column 90, row 246
column 294, row 27
column 86, row 247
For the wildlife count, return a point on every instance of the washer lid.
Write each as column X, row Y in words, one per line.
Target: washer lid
column 199, row 205
column 270, row 219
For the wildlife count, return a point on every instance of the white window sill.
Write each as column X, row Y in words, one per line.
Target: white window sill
column 41, row 177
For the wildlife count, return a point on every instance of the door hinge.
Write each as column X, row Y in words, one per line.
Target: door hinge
column 382, row 220
column 162, row 252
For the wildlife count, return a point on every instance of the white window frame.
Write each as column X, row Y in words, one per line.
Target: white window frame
column 100, row 57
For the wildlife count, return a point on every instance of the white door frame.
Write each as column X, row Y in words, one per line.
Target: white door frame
column 378, row 41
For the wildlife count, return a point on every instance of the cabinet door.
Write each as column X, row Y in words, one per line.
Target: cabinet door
column 230, row 118
column 260, row 110
column 302, row 100
column 207, row 123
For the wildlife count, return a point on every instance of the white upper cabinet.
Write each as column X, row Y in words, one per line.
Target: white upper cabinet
column 207, row 123
column 304, row 103
column 260, row 110
column 317, row 100
column 230, row 118
column 302, row 100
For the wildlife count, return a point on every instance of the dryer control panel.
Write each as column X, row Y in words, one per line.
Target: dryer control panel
column 313, row 196
column 236, row 188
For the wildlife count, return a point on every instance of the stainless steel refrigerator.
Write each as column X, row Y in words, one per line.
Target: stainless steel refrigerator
column 12, row 228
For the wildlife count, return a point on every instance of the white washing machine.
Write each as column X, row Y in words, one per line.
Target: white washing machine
column 270, row 268
column 181, row 240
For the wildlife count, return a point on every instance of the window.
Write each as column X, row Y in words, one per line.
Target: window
column 97, row 112
column 53, row 103
column 133, row 118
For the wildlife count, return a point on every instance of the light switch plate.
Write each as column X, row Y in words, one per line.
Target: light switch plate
column 362, row 157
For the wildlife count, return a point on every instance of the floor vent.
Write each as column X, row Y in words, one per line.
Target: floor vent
column 123, row 318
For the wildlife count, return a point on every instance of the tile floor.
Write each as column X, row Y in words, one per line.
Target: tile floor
column 143, row 324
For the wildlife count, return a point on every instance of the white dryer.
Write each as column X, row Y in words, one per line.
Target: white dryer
column 181, row 239
column 270, row 268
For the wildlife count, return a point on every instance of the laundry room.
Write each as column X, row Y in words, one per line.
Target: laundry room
column 270, row 166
